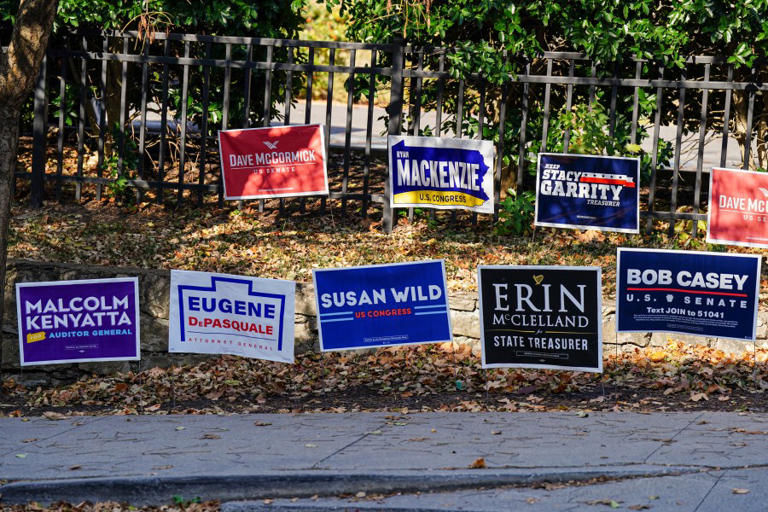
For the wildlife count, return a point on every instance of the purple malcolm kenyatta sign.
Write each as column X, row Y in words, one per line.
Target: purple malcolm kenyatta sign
column 78, row 321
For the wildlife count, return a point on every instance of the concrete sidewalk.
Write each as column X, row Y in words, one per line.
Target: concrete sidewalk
column 691, row 458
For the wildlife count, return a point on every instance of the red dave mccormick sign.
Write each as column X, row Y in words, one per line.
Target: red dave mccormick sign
column 280, row 161
column 738, row 208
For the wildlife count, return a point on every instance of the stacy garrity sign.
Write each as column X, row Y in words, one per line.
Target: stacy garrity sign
column 588, row 192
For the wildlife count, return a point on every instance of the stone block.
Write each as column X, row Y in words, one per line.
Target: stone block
column 107, row 367
column 632, row 339
column 305, row 299
column 155, row 290
column 154, row 334
column 10, row 351
column 732, row 346
column 305, row 335
column 465, row 324
column 473, row 343
column 463, row 301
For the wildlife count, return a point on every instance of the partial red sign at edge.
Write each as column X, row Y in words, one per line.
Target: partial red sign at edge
column 738, row 208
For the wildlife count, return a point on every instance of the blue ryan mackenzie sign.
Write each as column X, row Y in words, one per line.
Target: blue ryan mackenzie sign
column 706, row 294
column 588, row 192
column 382, row 305
column 432, row 172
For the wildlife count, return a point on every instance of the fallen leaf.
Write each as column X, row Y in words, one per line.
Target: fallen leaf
column 310, row 445
column 360, row 494
column 261, row 423
column 695, row 397
column 657, row 356
column 610, row 503
column 54, row 416
column 179, row 428
column 21, row 455
column 478, row 464
column 211, row 436
column 30, row 440
column 638, row 507
column 75, row 467
column 740, row 491
column 495, row 432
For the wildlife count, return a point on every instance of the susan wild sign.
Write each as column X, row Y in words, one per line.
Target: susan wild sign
column 431, row 172
column 382, row 305
column 78, row 321
column 707, row 294
column 588, row 192
column 226, row 314
column 541, row 317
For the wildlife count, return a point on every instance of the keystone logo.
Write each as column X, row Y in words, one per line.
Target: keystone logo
column 448, row 169
column 271, row 145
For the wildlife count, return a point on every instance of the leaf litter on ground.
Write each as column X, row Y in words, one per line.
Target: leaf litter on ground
column 376, row 381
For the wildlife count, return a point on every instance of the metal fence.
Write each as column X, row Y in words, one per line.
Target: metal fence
column 117, row 115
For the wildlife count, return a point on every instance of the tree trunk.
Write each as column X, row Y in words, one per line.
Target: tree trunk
column 19, row 68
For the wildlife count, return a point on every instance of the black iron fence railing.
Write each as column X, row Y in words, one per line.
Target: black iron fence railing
column 117, row 115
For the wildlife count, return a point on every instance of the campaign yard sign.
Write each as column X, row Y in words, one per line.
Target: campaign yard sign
column 738, row 208
column 78, row 321
column 588, row 192
column 430, row 172
column 279, row 161
column 382, row 305
column 225, row 314
column 707, row 294
column 541, row 317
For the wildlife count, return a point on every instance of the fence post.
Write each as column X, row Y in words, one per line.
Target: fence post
column 39, row 136
column 394, row 111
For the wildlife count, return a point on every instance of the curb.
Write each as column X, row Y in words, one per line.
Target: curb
column 160, row 491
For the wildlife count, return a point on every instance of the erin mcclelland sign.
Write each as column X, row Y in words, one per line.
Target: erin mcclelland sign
column 78, row 321
column 738, row 208
column 541, row 317
column 382, row 305
column 588, row 192
column 709, row 294
column 226, row 314
column 431, row 172
column 279, row 161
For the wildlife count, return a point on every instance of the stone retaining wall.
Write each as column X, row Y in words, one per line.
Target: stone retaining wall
column 154, row 288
